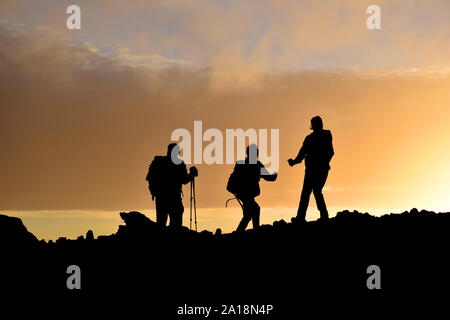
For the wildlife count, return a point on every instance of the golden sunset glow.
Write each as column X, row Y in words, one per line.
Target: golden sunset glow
column 82, row 113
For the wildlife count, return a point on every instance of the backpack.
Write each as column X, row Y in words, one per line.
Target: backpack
column 243, row 181
column 237, row 182
column 155, row 175
column 233, row 182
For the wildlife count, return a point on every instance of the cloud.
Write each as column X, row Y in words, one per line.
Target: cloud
column 124, row 56
column 259, row 36
column 78, row 127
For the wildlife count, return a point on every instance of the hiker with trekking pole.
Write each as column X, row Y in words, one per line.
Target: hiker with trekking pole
column 166, row 176
column 243, row 183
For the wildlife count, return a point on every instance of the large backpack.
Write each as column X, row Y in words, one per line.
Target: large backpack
column 233, row 182
column 244, row 180
column 237, row 182
column 155, row 176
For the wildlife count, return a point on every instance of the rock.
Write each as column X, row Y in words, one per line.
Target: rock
column 61, row 240
column 90, row 235
column 134, row 218
column 280, row 223
column 13, row 231
column 137, row 225
column 206, row 233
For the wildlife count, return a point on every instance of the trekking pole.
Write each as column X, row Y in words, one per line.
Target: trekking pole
column 190, row 207
column 195, row 204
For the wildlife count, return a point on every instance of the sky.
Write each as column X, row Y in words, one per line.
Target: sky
column 83, row 112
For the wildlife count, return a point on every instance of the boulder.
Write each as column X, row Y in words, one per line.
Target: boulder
column 14, row 233
column 90, row 235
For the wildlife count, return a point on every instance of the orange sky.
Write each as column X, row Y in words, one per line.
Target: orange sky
column 81, row 115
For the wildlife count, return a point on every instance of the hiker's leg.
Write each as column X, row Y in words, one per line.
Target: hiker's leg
column 179, row 209
column 304, row 197
column 246, row 211
column 255, row 214
column 161, row 211
column 243, row 224
column 320, row 179
column 176, row 213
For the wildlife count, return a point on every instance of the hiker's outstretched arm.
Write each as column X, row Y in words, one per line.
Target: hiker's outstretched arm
column 266, row 175
column 302, row 153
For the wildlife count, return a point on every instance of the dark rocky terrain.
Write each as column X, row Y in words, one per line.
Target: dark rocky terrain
column 296, row 267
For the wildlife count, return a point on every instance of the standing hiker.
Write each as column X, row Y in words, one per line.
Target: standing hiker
column 166, row 176
column 317, row 150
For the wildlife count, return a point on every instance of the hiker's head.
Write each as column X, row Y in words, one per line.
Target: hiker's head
column 316, row 123
column 252, row 153
column 173, row 151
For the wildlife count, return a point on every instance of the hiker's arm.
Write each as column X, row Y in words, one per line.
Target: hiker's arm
column 266, row 175
column 331, row 149
column 147, row 178
column 188, row 177
column 184, row 176
column 301, row 154
column 269, row 177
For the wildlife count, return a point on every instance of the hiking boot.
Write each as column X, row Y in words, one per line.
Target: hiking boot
column 323, row 220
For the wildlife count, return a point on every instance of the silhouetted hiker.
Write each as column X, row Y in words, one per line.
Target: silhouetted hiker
column 165, row 177
column 244, row 184
column 317, row 150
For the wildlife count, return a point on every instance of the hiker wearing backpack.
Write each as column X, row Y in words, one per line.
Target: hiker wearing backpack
column 244, row 184
column 166, row 176
column 317, row 150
